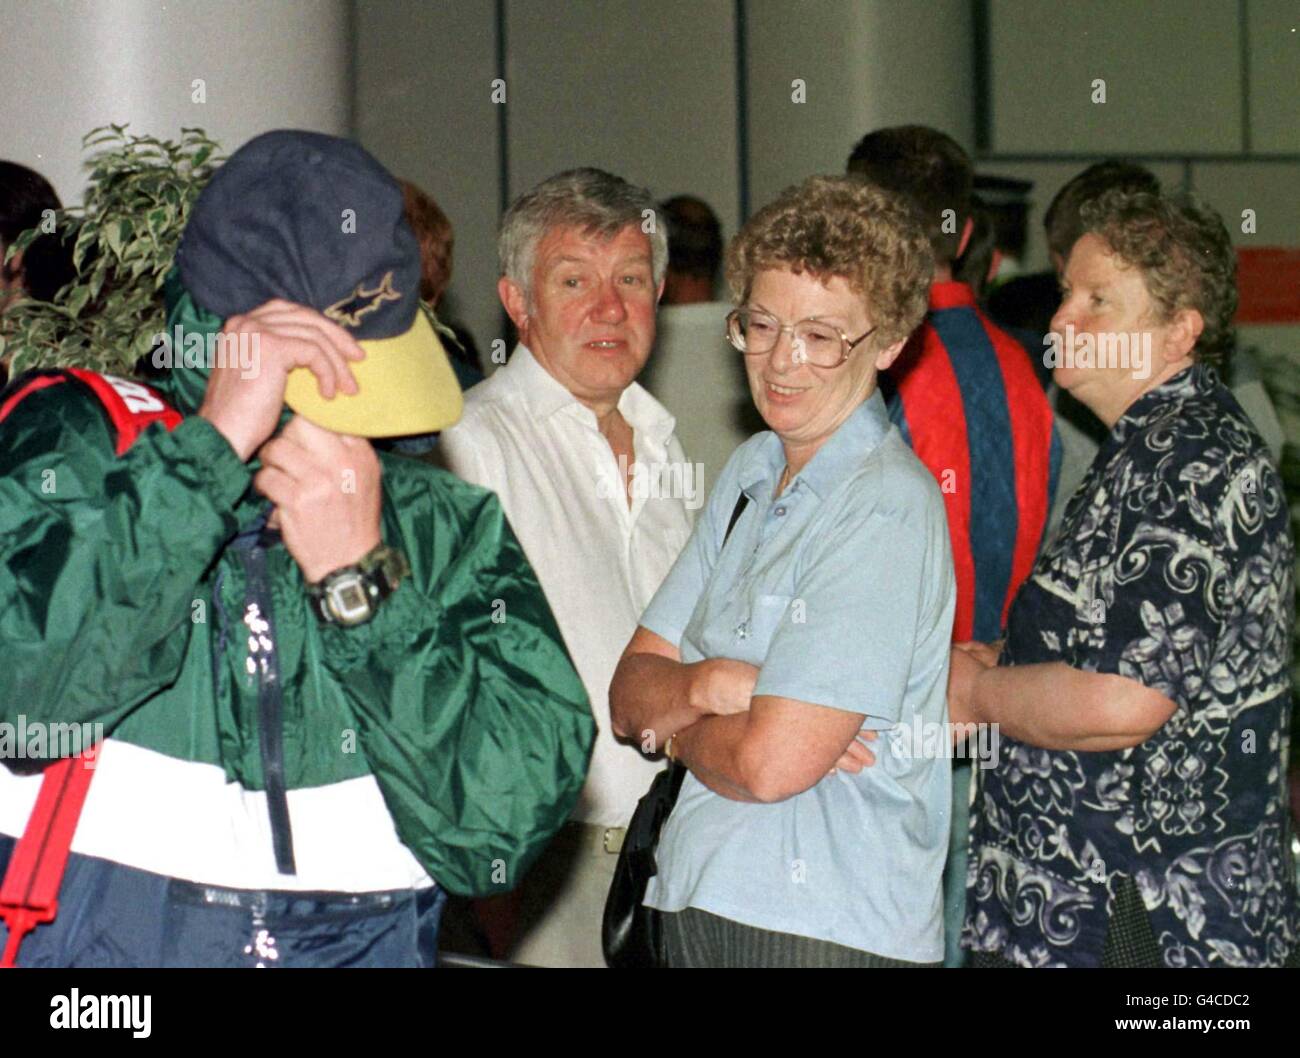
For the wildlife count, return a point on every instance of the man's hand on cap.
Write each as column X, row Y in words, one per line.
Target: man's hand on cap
column 326, row 491
column 246, row 407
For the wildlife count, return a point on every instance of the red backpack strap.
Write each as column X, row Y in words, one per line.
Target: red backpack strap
column 27, row 387
column 29, row 894
column 131, row 406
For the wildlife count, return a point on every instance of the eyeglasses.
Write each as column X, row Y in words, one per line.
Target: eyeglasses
column 813, row 341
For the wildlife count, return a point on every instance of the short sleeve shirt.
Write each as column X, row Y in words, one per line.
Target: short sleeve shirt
column 1173, row 566
column 841, row 591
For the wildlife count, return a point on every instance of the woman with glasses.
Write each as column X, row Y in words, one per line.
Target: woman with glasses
column 814, row 601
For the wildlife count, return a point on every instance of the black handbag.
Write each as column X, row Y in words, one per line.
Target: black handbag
column 631, row 934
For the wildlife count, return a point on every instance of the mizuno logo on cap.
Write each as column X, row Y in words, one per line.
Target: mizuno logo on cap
column 361, row 302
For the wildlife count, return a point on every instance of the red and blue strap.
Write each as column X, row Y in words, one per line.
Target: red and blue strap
column 29, row 894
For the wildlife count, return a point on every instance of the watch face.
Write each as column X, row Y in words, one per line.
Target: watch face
column 348, row 600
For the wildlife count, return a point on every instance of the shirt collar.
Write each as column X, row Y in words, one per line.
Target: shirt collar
column 1158, row 402
column 546, row 395
column 838, row 456
column 951, row 295
column 543, row 392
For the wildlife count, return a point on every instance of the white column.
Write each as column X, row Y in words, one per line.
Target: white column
column 822, row 73
column 232, row 67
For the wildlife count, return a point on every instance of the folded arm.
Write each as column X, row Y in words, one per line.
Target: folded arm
column 778, row 749
column 747, row 748
column 1056, row 706
column 654, row 694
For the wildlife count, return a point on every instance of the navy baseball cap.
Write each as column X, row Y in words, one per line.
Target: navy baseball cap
column 316, row 220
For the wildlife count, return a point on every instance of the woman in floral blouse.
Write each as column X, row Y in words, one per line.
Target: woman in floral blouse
column 1138, row 815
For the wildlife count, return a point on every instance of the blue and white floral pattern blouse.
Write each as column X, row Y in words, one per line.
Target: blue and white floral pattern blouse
column 1174, row 567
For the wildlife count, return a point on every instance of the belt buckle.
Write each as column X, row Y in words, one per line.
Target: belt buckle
column 613, row 838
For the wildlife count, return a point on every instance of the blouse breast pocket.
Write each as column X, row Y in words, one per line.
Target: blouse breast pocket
column 733, row 627
column 765, row 618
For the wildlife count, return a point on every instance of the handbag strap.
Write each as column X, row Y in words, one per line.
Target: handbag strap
column 742, row 501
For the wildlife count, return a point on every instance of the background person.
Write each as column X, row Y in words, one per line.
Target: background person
column 694, row 370
column 1139, row 812
column 563, row 433
column 1006, row 200
column 39, row 271
column 829, row 609
column 434, row 235
column 969, row 402
column 1032, row 301
column 978, row 263
column 694, row 250
column 437, row 241
column 26, row 200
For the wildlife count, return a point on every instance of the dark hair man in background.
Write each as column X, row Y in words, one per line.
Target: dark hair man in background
column 693, row 370
column 694, row 250
column 28, row 201
column 967, row 399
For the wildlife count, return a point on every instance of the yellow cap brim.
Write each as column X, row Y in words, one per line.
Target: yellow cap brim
column 406, row 386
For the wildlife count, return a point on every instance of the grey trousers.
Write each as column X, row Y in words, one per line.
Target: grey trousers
column 695, row 939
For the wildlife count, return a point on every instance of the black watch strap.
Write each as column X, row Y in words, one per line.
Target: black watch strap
column 352, row 595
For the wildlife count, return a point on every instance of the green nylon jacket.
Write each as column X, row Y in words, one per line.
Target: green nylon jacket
column 124, row 583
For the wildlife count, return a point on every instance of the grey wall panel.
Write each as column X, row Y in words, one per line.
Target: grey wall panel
column 1273, row 28
column 791, row 139
column 643, row 88
column 424, row 107
column 68, row 67
column 864, row 64
column 1171, row 70
column 1270, row 189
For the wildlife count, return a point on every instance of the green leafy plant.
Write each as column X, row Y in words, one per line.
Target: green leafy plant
column 124, row 238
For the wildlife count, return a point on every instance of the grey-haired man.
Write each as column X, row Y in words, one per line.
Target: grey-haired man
column 594, row 483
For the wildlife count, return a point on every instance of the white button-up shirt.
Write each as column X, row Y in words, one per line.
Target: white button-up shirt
column 527, row 438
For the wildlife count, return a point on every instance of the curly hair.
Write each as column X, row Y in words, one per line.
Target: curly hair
column 832, row 226
column 1184, row 253
column 1061, row 221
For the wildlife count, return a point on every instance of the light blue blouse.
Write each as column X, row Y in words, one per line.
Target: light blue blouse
column 842, row 592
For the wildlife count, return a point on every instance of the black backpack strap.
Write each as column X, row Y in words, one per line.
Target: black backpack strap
column 741, row 502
